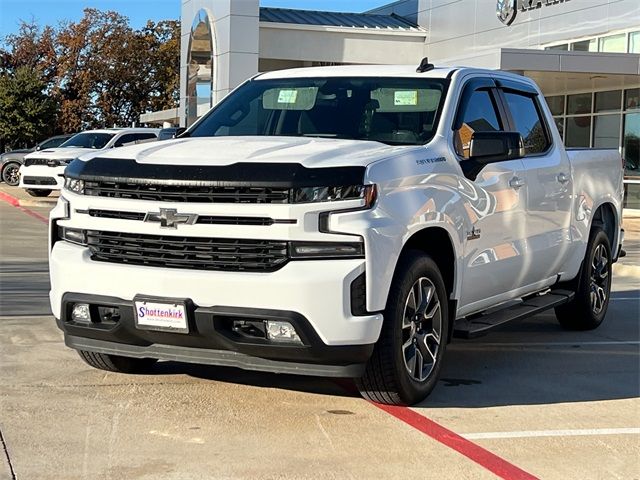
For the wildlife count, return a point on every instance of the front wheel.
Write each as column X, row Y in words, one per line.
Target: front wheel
column 116, row 363
column 10, row 174
column 406, row 361
column 589, row 306
column 38, row 192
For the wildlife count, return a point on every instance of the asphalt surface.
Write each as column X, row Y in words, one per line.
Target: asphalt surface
column 552, row 403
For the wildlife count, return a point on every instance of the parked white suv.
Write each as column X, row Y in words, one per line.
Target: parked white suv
column 42, row 171
column 336, row 221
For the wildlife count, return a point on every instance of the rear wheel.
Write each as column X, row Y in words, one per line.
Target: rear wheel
column 38, row 192
column 589, row 306
column 116, row 363
column 407, row 359
column 10, row 173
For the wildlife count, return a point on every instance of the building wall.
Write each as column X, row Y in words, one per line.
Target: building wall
column 234, row 24
column 469, row 31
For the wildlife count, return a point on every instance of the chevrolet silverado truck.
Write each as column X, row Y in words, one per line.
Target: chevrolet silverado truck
column 336, row 221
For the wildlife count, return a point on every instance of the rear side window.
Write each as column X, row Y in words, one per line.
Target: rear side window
column 528, row 122
column 146, row 136
column 480, row 115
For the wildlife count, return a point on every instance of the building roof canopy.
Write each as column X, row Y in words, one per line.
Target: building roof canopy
column 336, row 19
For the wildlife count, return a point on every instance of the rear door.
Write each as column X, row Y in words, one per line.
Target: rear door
column 548, row 184
column 494, row 199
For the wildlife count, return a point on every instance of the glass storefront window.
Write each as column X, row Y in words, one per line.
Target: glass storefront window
column 608, row 101
column 631, row 154
column 613, row 43
column 578, row 131
column 556, row 104
column 579, row 104
column 631, row 145
column 563, row 47
column 632, row 99
column 585, row 46
column 606, row 131
column 200, row 67
column 634, row 42
column 560, row 125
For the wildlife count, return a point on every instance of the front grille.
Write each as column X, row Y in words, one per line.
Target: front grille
column 181, row 193
column 35, row 161
column 188, row 252
column 49, row 162
column 39, row 180
column 202, row 219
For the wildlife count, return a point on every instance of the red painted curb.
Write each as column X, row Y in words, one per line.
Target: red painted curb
column 472, row 451
column 15, row 202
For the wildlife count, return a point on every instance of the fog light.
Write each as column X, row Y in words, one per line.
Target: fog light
column 282, row 332
column 80, row 313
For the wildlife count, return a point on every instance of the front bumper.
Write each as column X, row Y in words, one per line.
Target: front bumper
column 316, row 294
column 211, row 340
column 42, row 177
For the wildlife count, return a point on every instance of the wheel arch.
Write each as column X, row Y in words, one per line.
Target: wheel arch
column 438, row 243
column 605, row 217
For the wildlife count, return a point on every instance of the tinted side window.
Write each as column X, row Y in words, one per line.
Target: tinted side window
column 52, row 143
column 145, row 136
column 480, row 115
column 124, row 139
column 526, row 116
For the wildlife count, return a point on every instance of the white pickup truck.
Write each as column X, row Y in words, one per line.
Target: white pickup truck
column 336, row 221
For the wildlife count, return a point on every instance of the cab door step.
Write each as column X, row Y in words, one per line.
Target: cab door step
column 477, row 325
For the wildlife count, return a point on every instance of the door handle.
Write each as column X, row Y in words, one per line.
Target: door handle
column 563, row 178
column 516, row 183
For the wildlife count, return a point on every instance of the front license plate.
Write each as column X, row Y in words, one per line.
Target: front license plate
column 162, row 316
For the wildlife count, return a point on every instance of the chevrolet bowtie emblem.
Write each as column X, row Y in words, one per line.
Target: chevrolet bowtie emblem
column 170, row 218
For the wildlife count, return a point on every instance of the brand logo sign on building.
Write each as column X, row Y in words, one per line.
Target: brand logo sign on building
column 506, row 10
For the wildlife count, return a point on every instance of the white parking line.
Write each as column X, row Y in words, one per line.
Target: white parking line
column 552, row 433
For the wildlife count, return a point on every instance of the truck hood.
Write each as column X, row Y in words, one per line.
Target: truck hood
column 61, row 153
column 222, row 151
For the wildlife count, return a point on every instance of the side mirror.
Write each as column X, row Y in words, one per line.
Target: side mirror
column 38, row 148
column 491, row 147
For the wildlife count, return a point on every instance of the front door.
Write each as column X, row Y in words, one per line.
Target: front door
column 494, row 197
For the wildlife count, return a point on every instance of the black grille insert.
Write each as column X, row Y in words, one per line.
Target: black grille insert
column 39, row 180
column 186, row 193
column 188, row 252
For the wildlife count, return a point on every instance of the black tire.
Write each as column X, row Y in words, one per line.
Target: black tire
column 38, row 192
column 10, row 173
column 592, row 287
column 392, row 375
column 116, row 363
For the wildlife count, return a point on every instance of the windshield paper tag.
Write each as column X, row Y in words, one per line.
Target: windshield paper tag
column 287, row 96
column 405, row 97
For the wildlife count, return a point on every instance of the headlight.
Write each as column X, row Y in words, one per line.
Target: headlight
column 74, row 185
column 65, row 161
column 333, row 194
column 72, row 235
column 308, row 250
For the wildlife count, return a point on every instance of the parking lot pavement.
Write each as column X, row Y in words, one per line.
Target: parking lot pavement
column 552, row 403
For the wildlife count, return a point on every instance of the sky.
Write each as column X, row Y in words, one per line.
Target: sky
column 50, row 12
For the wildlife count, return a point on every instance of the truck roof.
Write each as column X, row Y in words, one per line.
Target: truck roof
column 359, row 71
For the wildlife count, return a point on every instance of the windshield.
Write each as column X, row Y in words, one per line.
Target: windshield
column 397, row 111
column 88, row 140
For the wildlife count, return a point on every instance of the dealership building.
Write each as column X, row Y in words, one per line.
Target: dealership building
column 584, row 54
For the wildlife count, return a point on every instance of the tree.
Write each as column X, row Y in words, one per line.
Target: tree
column 26, row 112
column 98, row 71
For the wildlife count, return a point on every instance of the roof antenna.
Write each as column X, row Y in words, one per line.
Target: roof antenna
column 425, row 66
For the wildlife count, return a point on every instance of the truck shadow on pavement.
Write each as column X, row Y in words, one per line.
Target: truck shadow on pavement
column 532, row 362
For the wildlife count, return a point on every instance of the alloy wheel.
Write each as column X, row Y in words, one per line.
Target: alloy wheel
column 599, row 284
column 421, row 329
